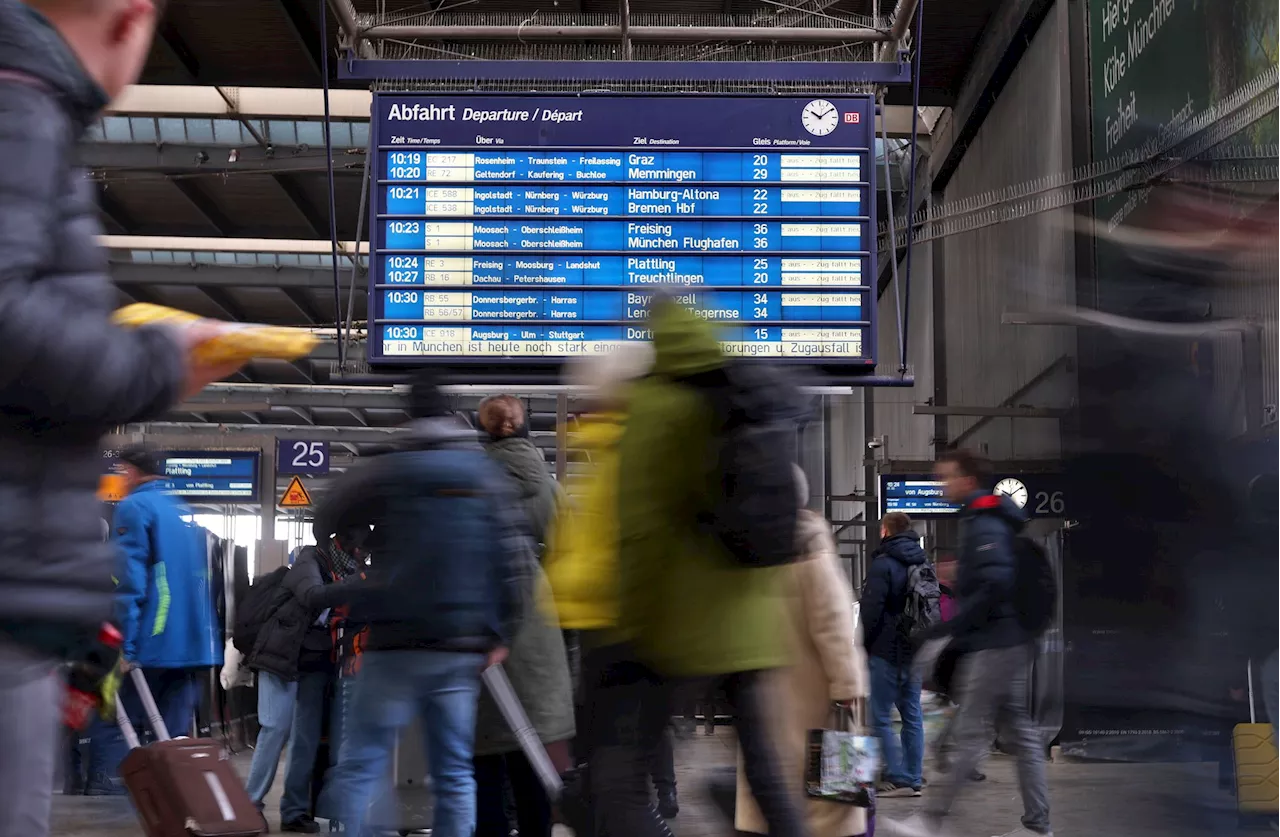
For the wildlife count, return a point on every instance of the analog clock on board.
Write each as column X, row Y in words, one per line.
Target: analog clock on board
column 1014, row 490
column 820, row 117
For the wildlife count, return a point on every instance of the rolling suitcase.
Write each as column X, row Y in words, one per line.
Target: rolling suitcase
column 1256, row 765
column 183, row 787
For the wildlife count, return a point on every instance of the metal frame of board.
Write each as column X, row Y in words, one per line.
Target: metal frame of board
column 547, row 369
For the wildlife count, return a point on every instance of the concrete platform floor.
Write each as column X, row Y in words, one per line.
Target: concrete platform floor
column 1089, row 800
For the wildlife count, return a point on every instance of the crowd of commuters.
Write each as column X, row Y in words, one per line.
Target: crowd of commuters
column 452, row 553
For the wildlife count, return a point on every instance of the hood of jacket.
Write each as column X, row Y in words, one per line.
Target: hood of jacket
column 985, row 503
column 523, row 460
column 903, row 548
column 29, row 44
column 683, row 343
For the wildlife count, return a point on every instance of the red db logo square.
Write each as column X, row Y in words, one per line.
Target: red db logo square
column 853, row 118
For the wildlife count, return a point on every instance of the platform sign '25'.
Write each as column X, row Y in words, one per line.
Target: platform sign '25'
column 299, row 457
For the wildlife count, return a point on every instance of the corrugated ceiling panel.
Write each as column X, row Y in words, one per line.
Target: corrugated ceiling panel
column 156, row 207
column 258, row 206
column 230, row 36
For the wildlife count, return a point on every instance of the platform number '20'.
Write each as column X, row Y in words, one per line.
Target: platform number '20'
column 308, row 454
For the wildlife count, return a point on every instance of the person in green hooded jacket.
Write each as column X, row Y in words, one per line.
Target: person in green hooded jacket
column 688, row 611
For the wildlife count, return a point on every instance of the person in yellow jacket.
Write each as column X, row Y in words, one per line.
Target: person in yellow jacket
column 582, row 553
column 582, row 556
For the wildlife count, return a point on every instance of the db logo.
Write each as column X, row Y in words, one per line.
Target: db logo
column 853, row 118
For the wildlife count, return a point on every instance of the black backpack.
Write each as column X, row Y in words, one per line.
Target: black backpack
column 1035, row 593
column 263, row 598
column 755, row 512
column 922, row 606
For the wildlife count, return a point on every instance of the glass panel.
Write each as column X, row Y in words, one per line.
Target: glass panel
column 311, row 133
column 144, row 129
column 341, row 134
column 94, row 133
column 200, row 130
column 205, row 257
column 224, row 258
column 360, row 133
column 172, row 130
column 141, row 255
column 183, row 257
column 226, row 132
column 288, row 259
column 116, row 129
column 246, row 258
column 282, row 132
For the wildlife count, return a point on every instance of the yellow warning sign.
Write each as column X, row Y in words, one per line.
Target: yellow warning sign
column 295, row 496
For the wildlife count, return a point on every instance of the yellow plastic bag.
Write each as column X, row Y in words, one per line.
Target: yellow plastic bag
column 239, row 343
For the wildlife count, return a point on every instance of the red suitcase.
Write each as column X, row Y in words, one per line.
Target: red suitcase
column 184, row 787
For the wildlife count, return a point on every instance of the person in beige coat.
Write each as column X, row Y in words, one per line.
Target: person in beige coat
column 828, row 665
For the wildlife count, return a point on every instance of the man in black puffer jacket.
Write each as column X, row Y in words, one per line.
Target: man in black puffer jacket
column 889, row 649
column 69, row 375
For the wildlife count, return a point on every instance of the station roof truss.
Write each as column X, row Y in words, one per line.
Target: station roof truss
column 279, row 43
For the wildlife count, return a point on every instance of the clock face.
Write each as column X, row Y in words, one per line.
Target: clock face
column 820, row 117
column 1014, row 490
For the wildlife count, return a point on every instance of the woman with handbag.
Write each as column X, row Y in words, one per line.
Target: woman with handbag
column 828, row 665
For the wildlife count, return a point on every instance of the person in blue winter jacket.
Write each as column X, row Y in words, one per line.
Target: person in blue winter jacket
column 164, row 608
column 889, row 651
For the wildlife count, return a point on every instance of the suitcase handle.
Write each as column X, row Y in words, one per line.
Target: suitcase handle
column 495, row 678
column 148, row 704
column 1253, row 719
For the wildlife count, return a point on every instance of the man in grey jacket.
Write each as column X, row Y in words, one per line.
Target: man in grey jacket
column 68, row 375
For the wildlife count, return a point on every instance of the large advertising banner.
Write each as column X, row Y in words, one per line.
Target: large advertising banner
column 1174, row 549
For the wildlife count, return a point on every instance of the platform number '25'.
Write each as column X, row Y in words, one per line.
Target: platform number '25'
column 308, row 454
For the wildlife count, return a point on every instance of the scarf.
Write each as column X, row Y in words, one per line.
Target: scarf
column 340, row 564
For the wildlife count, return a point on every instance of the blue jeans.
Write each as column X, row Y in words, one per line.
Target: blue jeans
column 304, row 744
column 275, row 718
column 892, row 686
column 175, row 691
column 393, row 686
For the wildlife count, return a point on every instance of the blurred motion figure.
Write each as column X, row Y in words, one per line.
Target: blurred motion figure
column 828, row 666
column 688, row 609
column 443, row 597
column 992, row 677
column 69, row 375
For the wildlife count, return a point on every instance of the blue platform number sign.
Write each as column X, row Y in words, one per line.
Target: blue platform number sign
column 301, row 457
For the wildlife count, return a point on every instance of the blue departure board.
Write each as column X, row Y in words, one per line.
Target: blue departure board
column 213, row 476
column 1039, row 495
column 535, row 228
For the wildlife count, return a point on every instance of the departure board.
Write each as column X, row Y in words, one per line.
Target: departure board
column 213, row 476
column 530, row 229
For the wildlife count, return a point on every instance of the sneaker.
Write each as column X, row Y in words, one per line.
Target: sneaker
column 977, row 776
column 888, row 790
column 916, row 826
column 1023, row 831
column 302, row 825
column 668, row 803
